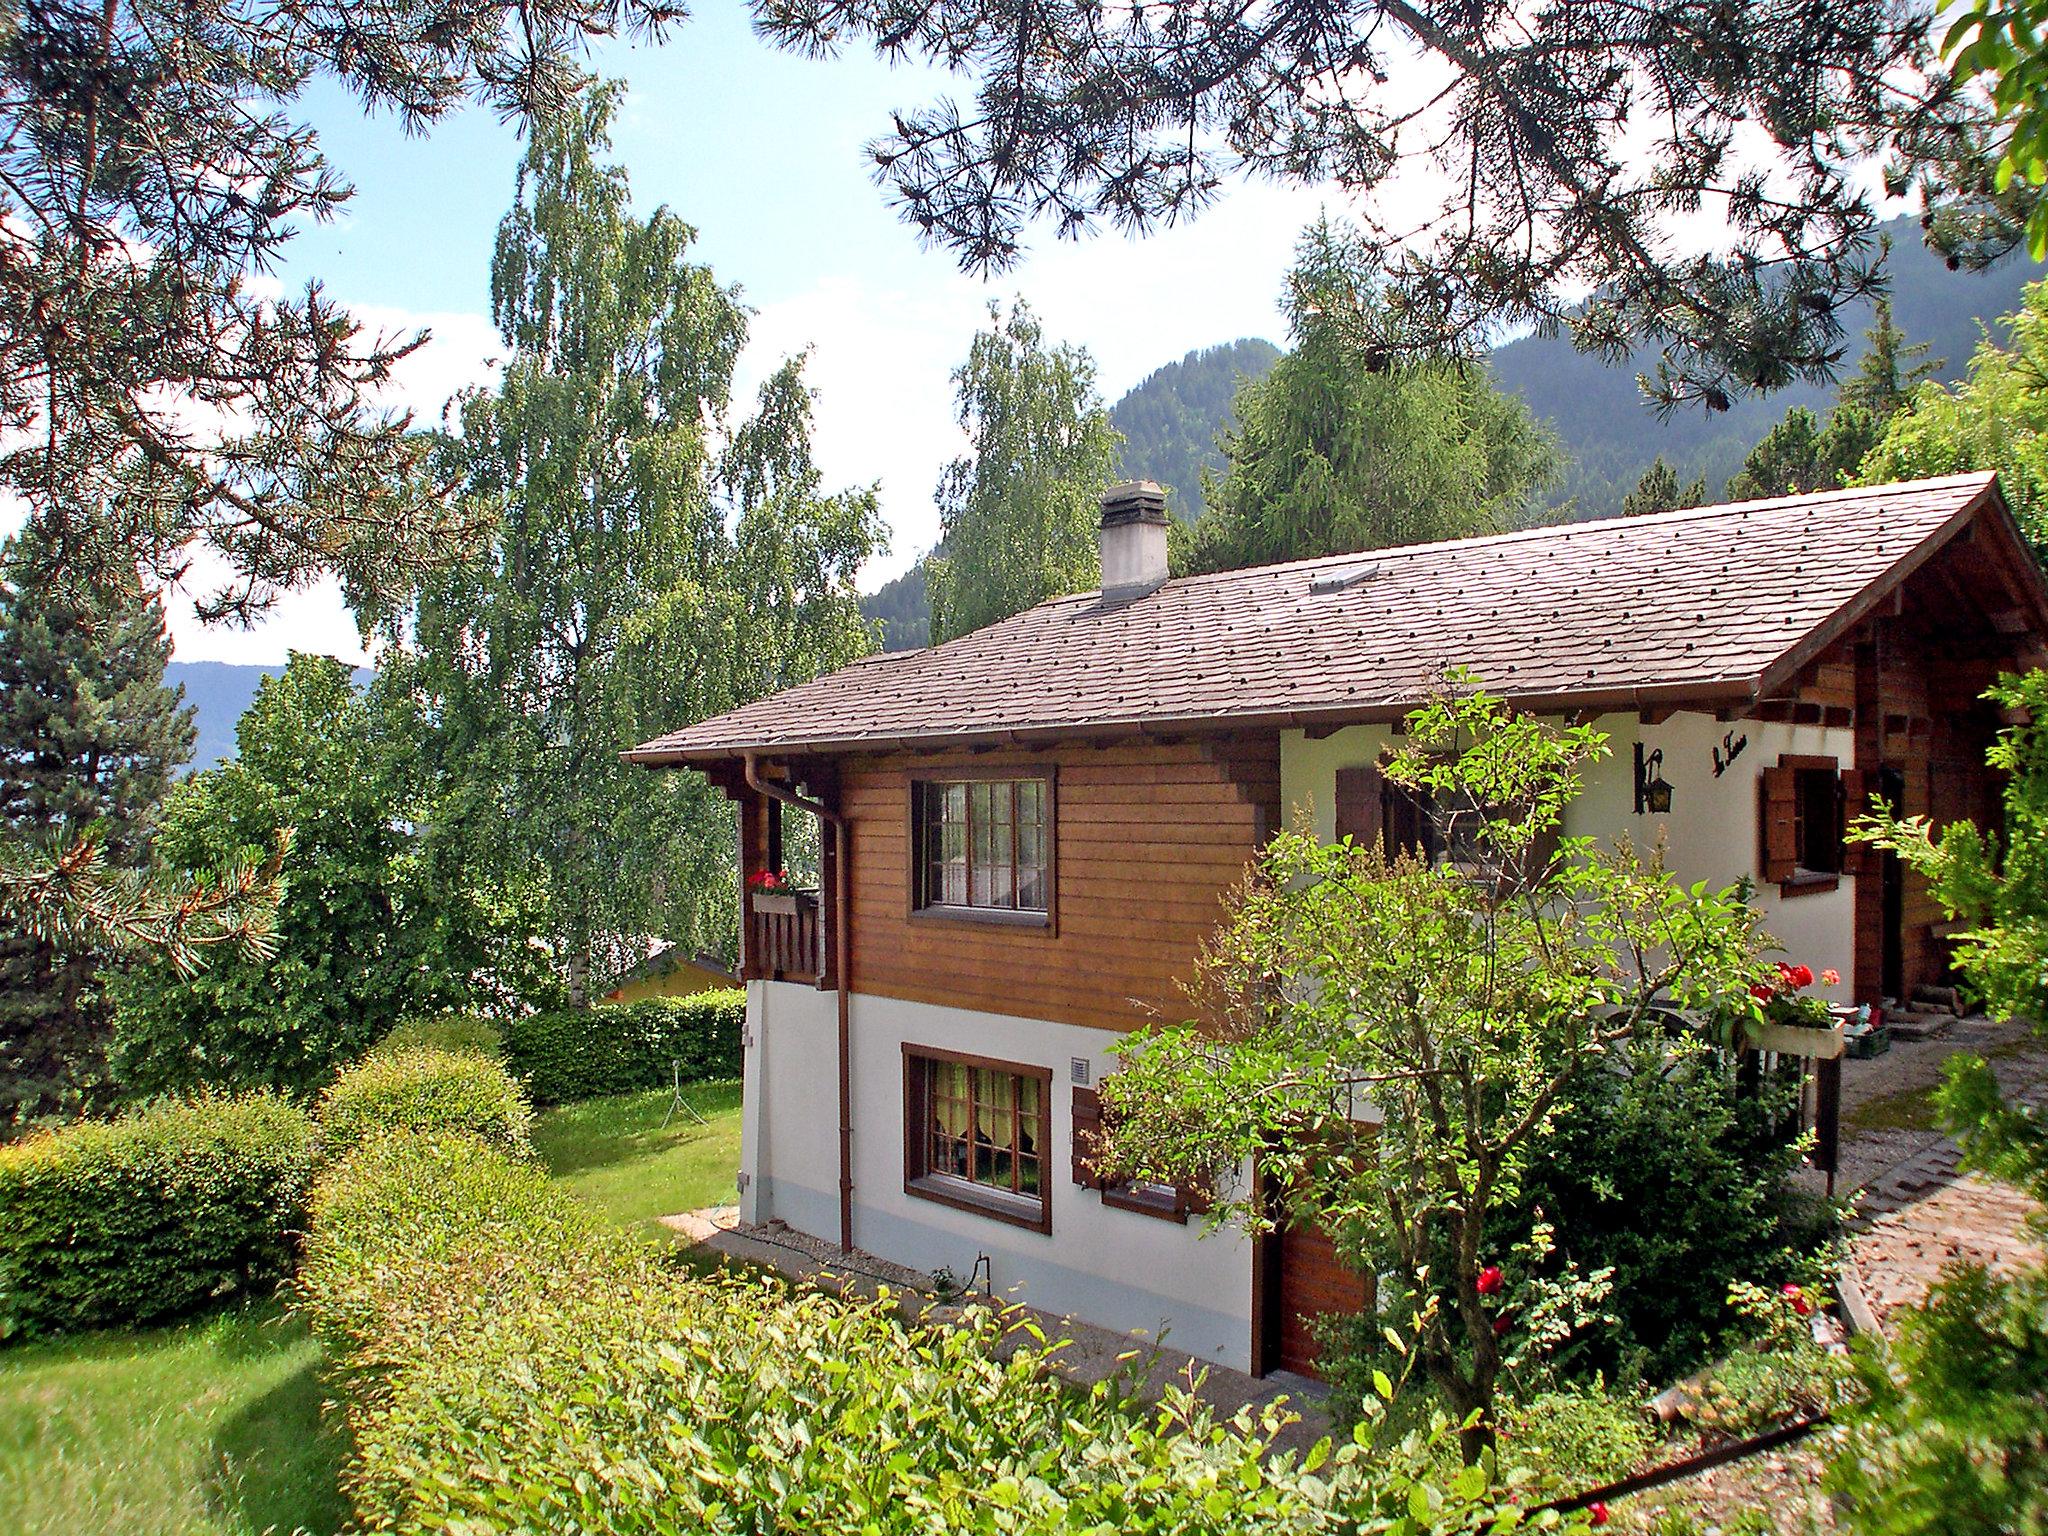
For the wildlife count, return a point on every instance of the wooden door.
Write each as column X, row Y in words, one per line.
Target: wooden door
column 1308, row 1281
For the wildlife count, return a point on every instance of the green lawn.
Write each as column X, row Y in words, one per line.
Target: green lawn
column 615, row 1154
column 211, row 1427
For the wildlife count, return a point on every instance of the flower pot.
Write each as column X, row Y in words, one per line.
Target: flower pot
column 780, row 902
column 1797, row 1040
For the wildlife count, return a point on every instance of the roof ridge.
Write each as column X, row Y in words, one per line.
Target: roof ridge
column 1585, row 525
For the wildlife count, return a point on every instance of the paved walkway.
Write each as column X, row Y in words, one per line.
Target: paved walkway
column 1925, row 1213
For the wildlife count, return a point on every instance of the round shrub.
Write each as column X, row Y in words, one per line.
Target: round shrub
column 423, row 1089
column 142, row 1218
column 457, row 1032
column 568, row 1054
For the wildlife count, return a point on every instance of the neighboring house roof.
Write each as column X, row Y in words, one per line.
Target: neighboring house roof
column 664, row 958
column 1709, row 602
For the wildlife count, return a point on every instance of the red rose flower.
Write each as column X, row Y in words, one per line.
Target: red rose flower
column 1596, row 1513
column 1490, row 1280
column 1500, row 1325
column 1797, row 1296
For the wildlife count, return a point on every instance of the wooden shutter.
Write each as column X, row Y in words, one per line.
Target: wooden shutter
column 1087, row 1114
column 1777, row 824
column 1857, row 787
column 1361, row 796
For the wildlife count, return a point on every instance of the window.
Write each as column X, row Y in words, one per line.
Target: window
column 1373, row 809
column 1171, row 1202
column 1801, row 824
column 976, row 1133
column 984, row 847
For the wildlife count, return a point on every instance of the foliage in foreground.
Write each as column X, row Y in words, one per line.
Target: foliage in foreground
column 423, row 1089
column 567, row 1054
column 506, row 1371
column 1953, row 1438
column 149, row 1216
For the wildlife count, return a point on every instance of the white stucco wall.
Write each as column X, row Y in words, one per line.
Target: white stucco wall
column 1711, row 833
column 1117, row 1269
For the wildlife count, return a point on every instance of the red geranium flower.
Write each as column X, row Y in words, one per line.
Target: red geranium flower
column 1831, row 977
column 1760, row 992
column 1490, row 1280
column 1802, row 976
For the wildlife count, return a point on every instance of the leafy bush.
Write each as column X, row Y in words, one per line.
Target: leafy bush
column 1779, row 1373
column 137, row 1219
column 422, row 1089
column 1952, row 1437
column 511, row 1370
column 1660, row 1168
column 1583, row 1434
column 443, row 1032
column 570, row 1054
column 401, row 1203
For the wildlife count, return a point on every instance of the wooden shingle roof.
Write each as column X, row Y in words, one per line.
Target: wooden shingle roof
column 1706, row 603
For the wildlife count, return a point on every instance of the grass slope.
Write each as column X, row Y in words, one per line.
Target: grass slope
column 617, row 1157
column 211, row 1428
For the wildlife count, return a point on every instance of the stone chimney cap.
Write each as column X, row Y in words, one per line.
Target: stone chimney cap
column 1134, row 501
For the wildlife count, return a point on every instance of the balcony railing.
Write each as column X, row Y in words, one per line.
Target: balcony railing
column 785, row 937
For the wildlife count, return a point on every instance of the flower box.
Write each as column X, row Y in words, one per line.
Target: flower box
column 780, row 903
column 1797, row 1039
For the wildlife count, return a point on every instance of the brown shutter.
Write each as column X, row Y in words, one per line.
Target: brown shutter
column 1360, row 814
column 1857, row 858
column 1777, row 824
column 1087, row 1128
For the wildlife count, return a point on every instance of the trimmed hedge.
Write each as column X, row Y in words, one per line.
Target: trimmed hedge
column 570, row 1054
column 509, row 1370
column 142, row 1218
column 458, row 1032
column 423, row 1089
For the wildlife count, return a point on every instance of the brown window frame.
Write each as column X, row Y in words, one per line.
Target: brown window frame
column 922, row 1182
column 1166, row 1202
column 922, row 909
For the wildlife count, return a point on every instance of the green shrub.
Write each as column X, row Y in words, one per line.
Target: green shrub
column 1659, row 1168
column 403, row 1202
column 458, row 1032
column 142, row 1218
column 1584, row 1434
column 511, row 1370
column 570, row 1054
column 422, row 1089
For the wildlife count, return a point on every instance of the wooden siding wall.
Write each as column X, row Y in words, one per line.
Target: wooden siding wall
column 1149, row 838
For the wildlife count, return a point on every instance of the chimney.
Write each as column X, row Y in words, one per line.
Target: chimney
column 1133, row 538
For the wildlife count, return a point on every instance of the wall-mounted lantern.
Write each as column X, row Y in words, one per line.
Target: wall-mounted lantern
column 1653, row 790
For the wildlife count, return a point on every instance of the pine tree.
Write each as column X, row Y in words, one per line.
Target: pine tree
column 89, row 737
column 1659, row 491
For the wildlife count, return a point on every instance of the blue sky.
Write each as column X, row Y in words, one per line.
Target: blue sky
column 762, row 152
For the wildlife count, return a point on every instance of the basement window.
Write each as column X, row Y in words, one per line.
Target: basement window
column 976, row 1132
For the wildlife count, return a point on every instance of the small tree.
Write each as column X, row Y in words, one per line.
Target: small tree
column 1953, row 1437
column 1456, row 998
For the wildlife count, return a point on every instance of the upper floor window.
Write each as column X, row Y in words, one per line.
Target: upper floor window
column 1802, row 824
column 984, row 846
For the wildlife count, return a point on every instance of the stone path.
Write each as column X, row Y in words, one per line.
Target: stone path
column 1925, row 1213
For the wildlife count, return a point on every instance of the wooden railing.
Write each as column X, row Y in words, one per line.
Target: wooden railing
column 785, row 937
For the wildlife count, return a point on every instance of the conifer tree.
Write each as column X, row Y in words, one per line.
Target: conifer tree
column 89, row 738
column 1659, row 491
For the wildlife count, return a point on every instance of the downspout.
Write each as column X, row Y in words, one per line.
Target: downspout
column 840, row 929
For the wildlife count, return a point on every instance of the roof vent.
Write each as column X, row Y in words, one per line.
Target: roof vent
column 1344, row 577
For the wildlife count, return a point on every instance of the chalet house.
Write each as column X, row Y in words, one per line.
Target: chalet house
column 1027, row 831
